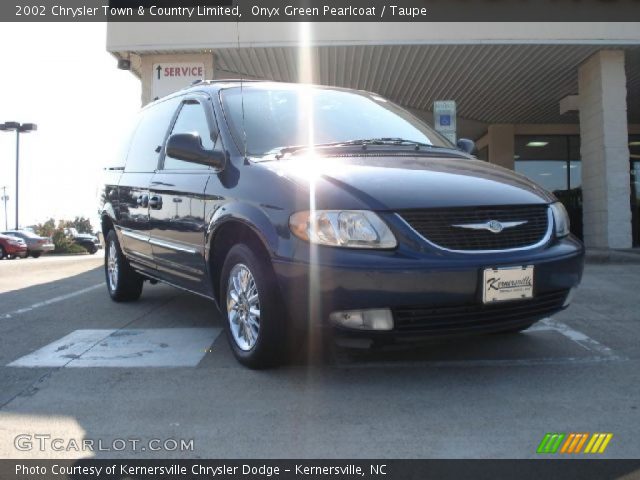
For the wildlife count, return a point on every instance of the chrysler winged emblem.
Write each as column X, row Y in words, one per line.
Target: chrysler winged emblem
column 493, row 226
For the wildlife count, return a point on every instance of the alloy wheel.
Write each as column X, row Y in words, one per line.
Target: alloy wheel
column 112, row 266
column 243, row 307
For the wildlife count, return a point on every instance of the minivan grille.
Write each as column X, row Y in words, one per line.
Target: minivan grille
column 437, row 226
column 450, row 320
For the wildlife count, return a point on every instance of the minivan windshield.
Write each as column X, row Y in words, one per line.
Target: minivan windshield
column 279, row 117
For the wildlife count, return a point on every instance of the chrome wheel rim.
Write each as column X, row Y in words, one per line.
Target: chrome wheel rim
column 112, row 266
column 243, row 307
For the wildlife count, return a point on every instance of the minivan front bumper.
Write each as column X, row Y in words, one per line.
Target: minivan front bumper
column 430, row 295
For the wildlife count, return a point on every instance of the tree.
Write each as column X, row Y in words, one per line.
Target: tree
column 81, row 224
column 46, row 229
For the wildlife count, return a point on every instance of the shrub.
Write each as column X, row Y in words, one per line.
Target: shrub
column 75, row 248
column 64, row 244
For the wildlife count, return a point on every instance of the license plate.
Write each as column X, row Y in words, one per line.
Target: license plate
column 512, row 283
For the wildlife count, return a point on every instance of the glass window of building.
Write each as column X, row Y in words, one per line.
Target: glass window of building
column 483, row 154
column 634, row 151
column 553, row 162
column 546, row 160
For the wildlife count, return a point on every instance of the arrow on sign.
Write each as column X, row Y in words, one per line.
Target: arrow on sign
column 159, row 69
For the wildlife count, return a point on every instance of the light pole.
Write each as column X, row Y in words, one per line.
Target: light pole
column 4, row 198
column 18, row 128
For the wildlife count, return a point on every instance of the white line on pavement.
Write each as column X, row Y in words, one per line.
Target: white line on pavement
column 600, row 353
column 44, row 303
column 580, row 338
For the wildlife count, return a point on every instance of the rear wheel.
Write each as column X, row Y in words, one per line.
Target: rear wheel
column 255, row 321
column 35, row 254
column 2, row 252
column 123, row 282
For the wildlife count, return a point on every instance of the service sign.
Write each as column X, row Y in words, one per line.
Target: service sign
column 444, row 117
column 171, row 77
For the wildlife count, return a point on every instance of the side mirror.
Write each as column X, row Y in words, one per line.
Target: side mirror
column 188, row 147
column 466, row 145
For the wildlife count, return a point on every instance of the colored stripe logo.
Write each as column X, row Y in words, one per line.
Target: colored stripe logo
column 569, row 443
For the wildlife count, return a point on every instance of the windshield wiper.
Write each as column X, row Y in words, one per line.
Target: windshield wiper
column 397, row 141
column 281, row 151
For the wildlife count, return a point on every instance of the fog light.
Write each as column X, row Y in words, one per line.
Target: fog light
column 379, row 319
column 569, row 298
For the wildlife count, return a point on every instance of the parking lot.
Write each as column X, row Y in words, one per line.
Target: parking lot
column 74, row 365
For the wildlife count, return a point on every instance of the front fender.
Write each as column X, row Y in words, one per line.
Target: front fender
column 249, row 215
column 108, row 195
column 108, row 210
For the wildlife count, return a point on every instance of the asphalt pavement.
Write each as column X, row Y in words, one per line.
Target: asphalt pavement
column 156, row 379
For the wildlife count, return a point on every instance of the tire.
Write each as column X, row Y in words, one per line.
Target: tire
column 257, row 341
column 2, row 252
column 92, row 249
column 35, row 254
column 124, row 284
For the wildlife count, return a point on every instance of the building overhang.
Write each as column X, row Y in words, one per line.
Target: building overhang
column 497, row 73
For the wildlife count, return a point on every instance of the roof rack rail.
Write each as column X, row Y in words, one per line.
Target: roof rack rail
column 224, row 80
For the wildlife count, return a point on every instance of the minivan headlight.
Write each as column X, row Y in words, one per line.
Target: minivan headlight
column 560, row 219
column 342, row 228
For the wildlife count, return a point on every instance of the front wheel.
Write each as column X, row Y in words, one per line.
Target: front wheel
column 92, row 249
column 255, row 323
column 2, row 252
column 123, row 282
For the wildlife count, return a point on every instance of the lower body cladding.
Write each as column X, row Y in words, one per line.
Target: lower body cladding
column 439, row 296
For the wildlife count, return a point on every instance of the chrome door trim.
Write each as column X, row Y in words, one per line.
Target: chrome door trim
column 179, row 247
column 134, row 235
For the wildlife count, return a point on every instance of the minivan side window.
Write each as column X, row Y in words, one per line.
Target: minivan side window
column 191, row 119
column 125, row 144
column 149, row 136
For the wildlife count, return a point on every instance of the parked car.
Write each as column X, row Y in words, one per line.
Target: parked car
column 12, row 247
column 88, row 241
column 303, row 207
column 36, row 245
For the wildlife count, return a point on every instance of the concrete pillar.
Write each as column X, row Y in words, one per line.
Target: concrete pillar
column 604, row 150
column 146, row 68
column 500, row 140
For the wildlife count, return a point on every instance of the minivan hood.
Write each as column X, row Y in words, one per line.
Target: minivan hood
column 391, row 182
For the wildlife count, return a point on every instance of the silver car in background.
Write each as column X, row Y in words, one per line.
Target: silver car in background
column 36, row 245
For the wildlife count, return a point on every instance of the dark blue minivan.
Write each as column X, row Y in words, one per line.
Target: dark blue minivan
column 304, row 210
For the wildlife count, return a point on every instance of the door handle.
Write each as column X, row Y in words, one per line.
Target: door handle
column 143, row 200
column 155, row 202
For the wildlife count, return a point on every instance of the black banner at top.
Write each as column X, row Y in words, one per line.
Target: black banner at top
column 320, row 10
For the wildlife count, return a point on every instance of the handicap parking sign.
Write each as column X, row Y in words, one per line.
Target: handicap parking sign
column 444, row 113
